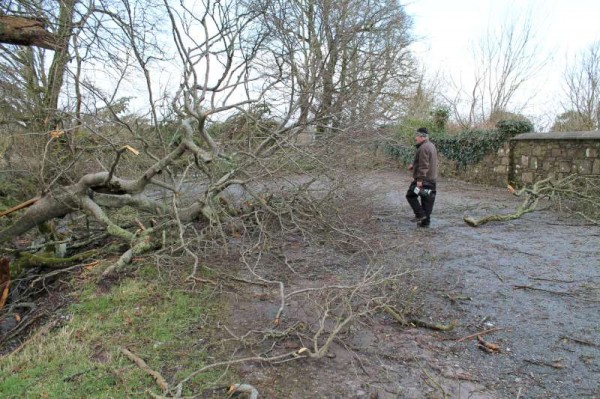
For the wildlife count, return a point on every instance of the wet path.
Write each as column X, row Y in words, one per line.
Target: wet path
column 536, row 279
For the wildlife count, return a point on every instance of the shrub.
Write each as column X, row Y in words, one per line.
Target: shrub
column 511, row 128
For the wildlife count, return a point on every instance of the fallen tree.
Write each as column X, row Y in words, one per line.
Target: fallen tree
column 578, row 194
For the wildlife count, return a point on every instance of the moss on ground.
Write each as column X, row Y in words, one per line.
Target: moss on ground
column 157, row 317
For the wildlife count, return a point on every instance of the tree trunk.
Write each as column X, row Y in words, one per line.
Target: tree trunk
column 26, row 31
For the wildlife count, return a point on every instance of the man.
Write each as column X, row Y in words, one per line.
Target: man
column 422, row 191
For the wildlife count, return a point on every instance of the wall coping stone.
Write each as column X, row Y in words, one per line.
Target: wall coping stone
column 591, row 135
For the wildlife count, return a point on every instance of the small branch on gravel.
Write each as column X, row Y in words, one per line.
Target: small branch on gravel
column 415, row 322
column 495, row 273
column 487, row 346
column 491, row 330
column 395, row 314
column 529, row 287
column 581, row 341
column 554, row 280
column 431, row 381
column 561, row 293
column 554, row 364
column 162, row 383
column 432, row 326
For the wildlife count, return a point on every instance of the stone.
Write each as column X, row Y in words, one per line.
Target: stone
column 565, row 167
column 533, row 164
column 591, row 153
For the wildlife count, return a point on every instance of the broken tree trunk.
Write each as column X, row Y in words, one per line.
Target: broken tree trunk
column 26, row 31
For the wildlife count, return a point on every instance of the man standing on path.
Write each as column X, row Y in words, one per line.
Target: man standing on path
column 422, row 191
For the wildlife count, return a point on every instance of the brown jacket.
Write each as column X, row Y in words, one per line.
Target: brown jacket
column 425, row 165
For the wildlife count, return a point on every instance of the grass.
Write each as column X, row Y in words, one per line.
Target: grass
column 160, row 320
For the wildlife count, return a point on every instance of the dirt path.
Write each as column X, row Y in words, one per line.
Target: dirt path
column 536, row 280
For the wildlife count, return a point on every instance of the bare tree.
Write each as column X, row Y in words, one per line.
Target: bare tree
column 344, row 63
column 505, row 59
column 216, row 46
column 582, row 91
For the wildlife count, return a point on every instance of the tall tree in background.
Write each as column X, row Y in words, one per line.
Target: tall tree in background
column 582, row 90
column 505, row 58
column 35, row 74
column 344, row 63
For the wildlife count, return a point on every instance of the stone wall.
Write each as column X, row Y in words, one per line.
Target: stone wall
column 540, row 155
column 530, row 157
column 492, row 170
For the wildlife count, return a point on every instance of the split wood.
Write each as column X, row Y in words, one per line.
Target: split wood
column 23, row 205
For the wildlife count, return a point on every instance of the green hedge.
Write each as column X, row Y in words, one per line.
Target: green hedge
column 466, row 148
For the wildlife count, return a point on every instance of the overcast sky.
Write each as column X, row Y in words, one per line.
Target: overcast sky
column 447, row 31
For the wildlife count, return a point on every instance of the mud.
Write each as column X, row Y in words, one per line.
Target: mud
column 534, row 281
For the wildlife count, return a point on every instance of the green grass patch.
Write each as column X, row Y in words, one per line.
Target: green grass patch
column 159, row 321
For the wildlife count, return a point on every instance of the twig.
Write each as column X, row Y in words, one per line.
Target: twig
column 433, row 326
column 528, row 287
column 555, row 364
column 491, row 330
column 581, row 341
column 162, row 383
column 554, row 280
column 23, row 205
column 432, row 380
column 415, row 322
column 495, row 273
column 43, row 330
column 487, row 346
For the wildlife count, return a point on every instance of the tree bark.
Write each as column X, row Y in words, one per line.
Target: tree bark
column 26, row 31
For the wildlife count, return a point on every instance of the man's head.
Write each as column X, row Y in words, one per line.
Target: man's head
column 421, row 135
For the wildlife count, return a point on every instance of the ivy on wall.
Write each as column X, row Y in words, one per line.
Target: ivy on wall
column 468, row 147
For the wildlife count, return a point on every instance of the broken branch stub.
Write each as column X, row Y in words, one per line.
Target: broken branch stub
column 26, row 31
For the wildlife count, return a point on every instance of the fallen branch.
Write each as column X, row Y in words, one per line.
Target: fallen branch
column 432, row 326
column 529, row 204
column 23, row 205
column 25, row 260
column 415, row 322
column 555, row 363
column 142, row 245
column 491, row 330
column 581, row 341
column 162, row 383
column 529, row 287
column 487, row 346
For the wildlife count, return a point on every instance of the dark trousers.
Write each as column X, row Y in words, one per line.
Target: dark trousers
column 422, row 205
